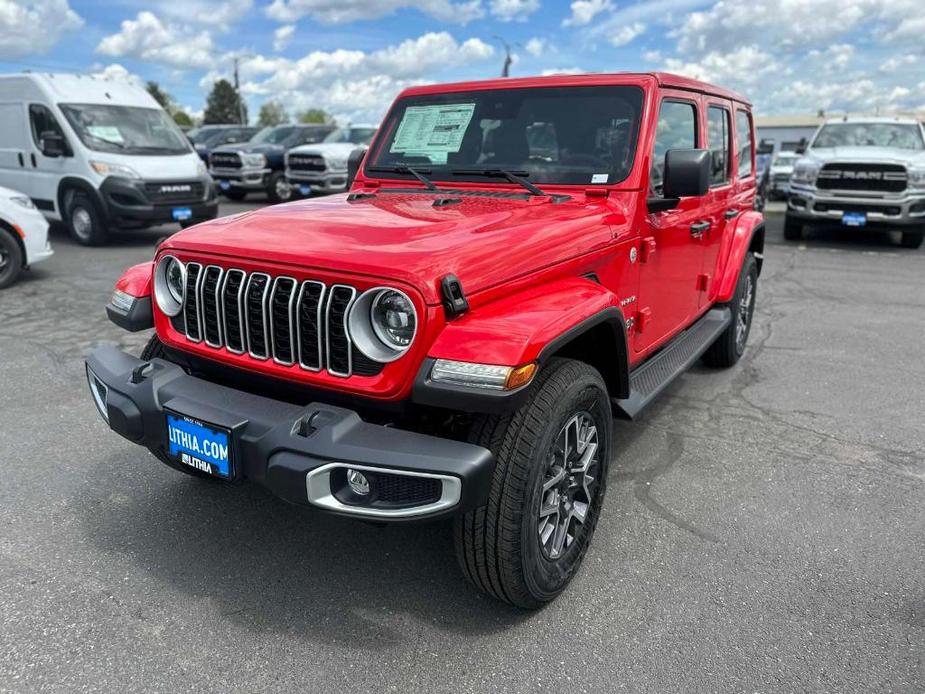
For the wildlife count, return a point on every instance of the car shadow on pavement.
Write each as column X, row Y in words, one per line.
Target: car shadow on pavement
column 60, row 237
column 833, row 236
column 273, row 566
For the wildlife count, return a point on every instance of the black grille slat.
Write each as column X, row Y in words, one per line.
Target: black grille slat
column 303, row 162
column 255, row 315
column 209, row 307
column 363, row 365
column 339, row 354
column 175, row 191
column 880, row 178
column 225, row 160
column 232, row 294
column 406, row 490
column 308, row 313
column 191, row 307
column 282, row 301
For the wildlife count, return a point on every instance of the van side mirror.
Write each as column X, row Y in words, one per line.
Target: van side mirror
column 52, row 144
column 687, row 174
column 354, row 161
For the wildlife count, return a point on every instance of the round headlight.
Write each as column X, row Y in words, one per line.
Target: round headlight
column 383, row 323
column 170, row 285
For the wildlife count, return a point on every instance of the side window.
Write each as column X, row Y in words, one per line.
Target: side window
column 42, row 120
column 720, row 151
column 744, row 139
column 676, row 129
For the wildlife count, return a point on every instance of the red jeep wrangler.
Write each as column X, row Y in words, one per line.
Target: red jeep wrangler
column 517, row 261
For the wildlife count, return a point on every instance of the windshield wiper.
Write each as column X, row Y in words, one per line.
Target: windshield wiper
column 402, row 168
column 513, row 176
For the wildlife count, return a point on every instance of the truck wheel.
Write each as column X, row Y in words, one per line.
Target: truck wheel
column 85, row 221
column 552, row 454
column 912, row 239
column 730, row 345
column 278, row 188
column 793, row 229
column 236, row 195
column 11, row 260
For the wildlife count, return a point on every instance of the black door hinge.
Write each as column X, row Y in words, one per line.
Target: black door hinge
column 454, row 299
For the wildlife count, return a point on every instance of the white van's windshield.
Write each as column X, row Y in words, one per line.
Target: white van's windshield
column 125, row 129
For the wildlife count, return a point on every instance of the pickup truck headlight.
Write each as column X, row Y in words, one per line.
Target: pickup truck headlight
column 917, row 178
column 170, row 285
column 383, row 323
column 254, row 161
column 337, row 163
column 805, row 172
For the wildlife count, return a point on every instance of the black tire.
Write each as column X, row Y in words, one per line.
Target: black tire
column 793, row 229
column 499, row 545
column 912, row 239
column 11, row 260
column 730, row 345
column 278, row 188
column 236, row 195
column 86, row 221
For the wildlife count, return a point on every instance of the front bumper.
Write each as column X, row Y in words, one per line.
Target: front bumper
column 292, row 450
column 813, row 205
column 127, row 204
column 320, row 181
column 242, row 179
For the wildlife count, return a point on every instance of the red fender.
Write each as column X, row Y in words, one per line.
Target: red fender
column 739, row 242
column 514, row 330
column 136, row 281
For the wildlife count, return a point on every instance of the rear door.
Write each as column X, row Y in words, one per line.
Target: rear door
column 721, row 198
column 14, row 145
column 671, row 257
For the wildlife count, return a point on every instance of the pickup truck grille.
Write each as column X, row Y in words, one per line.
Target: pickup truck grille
column 307, row 162
column 878, row 178
column 175, row 191
column 292, row 322
column 225, row 160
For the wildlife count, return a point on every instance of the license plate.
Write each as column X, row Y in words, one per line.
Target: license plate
column 181, row 214
column 305, row 190
column 224, row 185
column 854, row 219
column 199, row 445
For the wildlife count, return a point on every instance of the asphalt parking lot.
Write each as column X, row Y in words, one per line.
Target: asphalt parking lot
column 764, row 529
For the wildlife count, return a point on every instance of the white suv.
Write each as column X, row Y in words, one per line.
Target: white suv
column 322, row 168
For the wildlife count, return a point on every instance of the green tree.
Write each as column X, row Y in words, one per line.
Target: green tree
column 272, row 113
column 160, row 96
column 316, row 115
column 224, row 105
column 182, row 118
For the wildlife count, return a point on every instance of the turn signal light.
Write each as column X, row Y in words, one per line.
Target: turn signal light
column 520, row 376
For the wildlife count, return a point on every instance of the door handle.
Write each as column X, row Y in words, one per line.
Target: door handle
column 731, row 214
column 22, row 162
column 32, row 156
column 697, row 228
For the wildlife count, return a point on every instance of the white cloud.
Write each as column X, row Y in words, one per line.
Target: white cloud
column 652, row 56
column 344, row 11
column 741, row 69
column 899, row 62
column 626, row 34
column 433, row 50
column 147, row 38
column 221, row 14
column 536, row 46
column 116, row 71
column 513, row 10
column 34, row 27
column 562, row 71
column 282, row 36
column 583, row 11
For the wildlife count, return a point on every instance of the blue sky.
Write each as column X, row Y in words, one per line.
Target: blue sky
column 351, row 56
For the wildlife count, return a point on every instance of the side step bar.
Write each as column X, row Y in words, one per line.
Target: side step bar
column 655, row 374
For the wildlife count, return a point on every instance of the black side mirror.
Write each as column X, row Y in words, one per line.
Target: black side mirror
column 801, row 148
column 52, row 144
column 354, row 161
column 687, row 174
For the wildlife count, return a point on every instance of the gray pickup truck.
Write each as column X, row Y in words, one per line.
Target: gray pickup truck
column 861, row 173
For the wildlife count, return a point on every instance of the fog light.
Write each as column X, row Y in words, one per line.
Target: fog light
column 99, row 391
column 357, row 482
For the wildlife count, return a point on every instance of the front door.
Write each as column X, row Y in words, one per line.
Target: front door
column 671, row 253
column 43, row 172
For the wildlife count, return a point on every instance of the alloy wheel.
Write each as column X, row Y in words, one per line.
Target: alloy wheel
column 569, row 485
column 744, row 314
column 283, row 189
column 82, row 222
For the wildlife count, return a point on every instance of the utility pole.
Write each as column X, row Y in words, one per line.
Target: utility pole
column 237, row 89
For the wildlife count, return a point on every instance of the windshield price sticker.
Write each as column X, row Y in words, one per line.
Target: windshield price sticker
column 109, row 133
column 430, row 130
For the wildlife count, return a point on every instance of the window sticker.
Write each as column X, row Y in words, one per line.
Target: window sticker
column 109, row 133
column 600, row 178
column 432, row 131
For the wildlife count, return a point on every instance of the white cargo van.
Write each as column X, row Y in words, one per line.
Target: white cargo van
column 98, row 154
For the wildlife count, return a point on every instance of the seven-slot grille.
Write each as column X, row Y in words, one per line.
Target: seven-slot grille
column 278, row 318
column 306, row 162
column 881, row 178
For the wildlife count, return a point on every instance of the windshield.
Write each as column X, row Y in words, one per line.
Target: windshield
column 202, row 135
column 125, row 129
column 567, row 135
column 356, row 136
column 786, row 159
column 897, row 135
column 274, row 136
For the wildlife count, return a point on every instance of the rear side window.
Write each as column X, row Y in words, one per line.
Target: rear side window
column 676, row 129
column 720, row 150
column 744, row 139
column 42, row 120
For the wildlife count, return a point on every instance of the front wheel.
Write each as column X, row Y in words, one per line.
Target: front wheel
column 278, row 188
column 11, row 260
column 85, row 221
column 552, row 454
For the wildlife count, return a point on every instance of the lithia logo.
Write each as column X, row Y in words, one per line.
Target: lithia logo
column 176, row 188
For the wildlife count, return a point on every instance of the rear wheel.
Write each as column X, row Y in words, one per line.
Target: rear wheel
column 85, row 221
column 11, row 260
column 278, row 188
column 793, row 228
column 912, row 239
column 730, row 345
column 552, row 454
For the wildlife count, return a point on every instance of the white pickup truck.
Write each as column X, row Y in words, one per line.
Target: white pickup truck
column 322, row 167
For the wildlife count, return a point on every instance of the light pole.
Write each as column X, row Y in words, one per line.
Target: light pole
column 506, row 70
